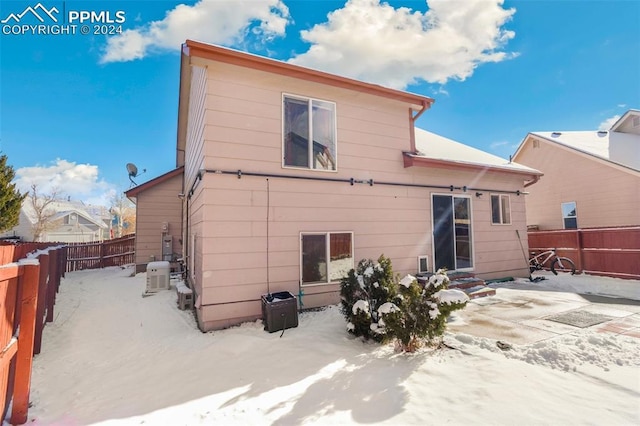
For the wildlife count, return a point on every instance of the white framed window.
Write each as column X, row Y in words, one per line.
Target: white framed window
column 569, row 215
column 309, row 133
column 501, row 209
column 325, row 257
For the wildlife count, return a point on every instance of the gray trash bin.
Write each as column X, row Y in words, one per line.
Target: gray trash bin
column 279, row 311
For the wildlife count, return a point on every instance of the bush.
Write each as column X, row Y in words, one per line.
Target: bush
column 420, row 313
column 378, row 307
column 363, row 291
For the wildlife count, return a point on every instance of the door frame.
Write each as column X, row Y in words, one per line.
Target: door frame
column 471, row 234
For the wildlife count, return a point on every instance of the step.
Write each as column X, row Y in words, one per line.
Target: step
column 466, row 282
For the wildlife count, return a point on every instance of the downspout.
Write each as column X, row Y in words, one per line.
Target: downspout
column 412, row 121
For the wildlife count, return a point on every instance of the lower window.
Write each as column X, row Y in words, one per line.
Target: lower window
column 326, row 257
column 569, row 216
column 500, row 210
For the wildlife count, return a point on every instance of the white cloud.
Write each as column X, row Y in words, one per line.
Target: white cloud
column 606, row 124
column 68, row 179
column 395, row 47
column 212, row 21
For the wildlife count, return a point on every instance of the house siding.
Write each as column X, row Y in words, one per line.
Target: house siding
column 605, row 194
column 243, row 131
column 155, row 206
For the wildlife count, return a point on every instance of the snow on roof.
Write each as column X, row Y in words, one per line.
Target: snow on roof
column 433, row 146
column 616, row 147
column 591, row 142
column 61, row 208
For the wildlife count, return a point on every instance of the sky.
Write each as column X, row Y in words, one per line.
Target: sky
column 154, row 367
column 76, row 108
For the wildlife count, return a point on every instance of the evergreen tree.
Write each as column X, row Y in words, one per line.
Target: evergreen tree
column 10, row 197
column 363, row 291
column 420, row 313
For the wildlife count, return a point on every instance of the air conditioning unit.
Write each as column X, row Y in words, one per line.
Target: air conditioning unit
column 158, row 276
column 423, row 264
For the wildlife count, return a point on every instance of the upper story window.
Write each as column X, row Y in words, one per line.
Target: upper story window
column 500, row 209
column 309, row 131
column 569, row 216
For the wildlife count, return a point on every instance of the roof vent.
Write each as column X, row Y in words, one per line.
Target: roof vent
column 602, row 133
column 555, row 134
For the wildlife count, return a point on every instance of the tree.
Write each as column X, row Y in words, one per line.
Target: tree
column 43, row 214
column 10, row 197
column 124, row 213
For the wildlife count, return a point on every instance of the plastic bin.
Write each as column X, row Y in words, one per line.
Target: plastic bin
column 279, row 311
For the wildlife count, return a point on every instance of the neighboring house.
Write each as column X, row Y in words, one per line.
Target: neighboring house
column 291, row 176
column 158, row 218
column 68, row 222
column 591, row 178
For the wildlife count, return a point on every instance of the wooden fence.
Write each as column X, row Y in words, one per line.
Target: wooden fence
column 28, row 287
column 611, row 252
column 116, row 252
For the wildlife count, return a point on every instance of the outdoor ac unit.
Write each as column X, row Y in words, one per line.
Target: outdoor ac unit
column 423, row 264
column 158, row 276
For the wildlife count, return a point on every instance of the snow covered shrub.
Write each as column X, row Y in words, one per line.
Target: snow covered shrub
column 417, row 312
column 363, row 291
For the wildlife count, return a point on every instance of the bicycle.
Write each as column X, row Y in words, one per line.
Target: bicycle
column 558, row 264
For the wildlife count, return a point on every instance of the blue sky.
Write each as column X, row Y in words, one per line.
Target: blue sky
column 74, row 108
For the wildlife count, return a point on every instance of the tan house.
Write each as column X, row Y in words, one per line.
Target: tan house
column 158, row 219
column 293, row 175
column 591, row 178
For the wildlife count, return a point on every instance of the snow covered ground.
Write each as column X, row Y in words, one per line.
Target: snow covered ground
column 114, row 357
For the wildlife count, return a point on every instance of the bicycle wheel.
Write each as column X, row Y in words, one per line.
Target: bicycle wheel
column 563, row 265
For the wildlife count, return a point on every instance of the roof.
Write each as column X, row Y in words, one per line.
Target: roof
column 613, row 147
column 433, row 149
column 133, row 192
column 62, row 208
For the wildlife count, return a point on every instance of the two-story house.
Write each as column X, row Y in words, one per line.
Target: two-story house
column 292, row 175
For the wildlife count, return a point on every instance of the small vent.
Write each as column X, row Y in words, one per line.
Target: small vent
column 602, row 133
column 555, row 134
column 536, row 143
column 636, row 121
column 423, row 264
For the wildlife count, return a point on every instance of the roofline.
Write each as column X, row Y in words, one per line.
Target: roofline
column 222, row 54
column 572, row 148
column 133, row 192
column 86, row 215
column 411, row 160
column 623, row 118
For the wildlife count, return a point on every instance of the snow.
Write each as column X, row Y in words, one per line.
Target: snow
column 112, row 357
column 360, row 305
column 387, row 308
column 450, row 296
column 407, row 280
column 433, row 146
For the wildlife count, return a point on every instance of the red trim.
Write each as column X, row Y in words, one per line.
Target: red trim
column 410, row 160
column 133, row 192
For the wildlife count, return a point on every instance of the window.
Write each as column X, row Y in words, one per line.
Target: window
column 569, row 216
column 317, row 248
column 500, row 210
column 309, row 128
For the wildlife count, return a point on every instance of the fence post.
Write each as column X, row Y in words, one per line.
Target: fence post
column 52, row 288
column 580, row 251
column 24, row 357
column 42, row 301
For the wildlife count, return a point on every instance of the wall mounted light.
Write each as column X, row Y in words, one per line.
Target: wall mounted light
column 478, row 194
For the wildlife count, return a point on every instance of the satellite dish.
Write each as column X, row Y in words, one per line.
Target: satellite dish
column 132, row 169
column 133, row 172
